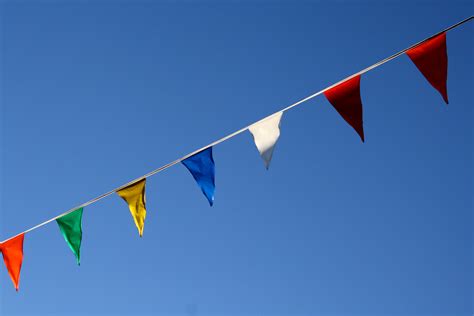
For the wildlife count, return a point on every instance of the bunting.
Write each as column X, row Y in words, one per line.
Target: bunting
column 202, row 168
column 12, row 251
column 265, row 135
column 431, row 59
column 134, row 196
column 345, row 98
column 70, row 226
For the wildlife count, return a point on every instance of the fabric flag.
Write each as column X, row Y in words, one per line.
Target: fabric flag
column 134, row 195
column 70, row 226
column 345, row 98
column 201, row 166
column 12, row 251
column 431, row 59
column 265, row 134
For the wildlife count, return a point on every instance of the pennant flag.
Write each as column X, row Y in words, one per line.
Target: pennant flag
column 70, row 226
column 134, row 195
column 12, row 251
column 431, row 59
column 265, row 134
column 201, row 166
column 345, row 98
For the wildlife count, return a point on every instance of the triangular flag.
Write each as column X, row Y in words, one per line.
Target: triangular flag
column 431, row 59
column 345, row 98
column 70, row 226
column 201, row 166
column 12, row 251
column 134, row 195
column 265, row 134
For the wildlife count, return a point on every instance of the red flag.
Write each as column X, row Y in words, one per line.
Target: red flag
column 12, row 251
column 431, row 58
column 345, row 98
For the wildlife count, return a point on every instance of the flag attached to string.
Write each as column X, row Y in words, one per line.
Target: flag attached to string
column 431, row 59
column 345, row 98
column 202, row 168
column 12, row 251
column 265, row 134
column 70, row 226
column 134, row 195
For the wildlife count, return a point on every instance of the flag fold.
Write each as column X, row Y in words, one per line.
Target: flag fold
column 12, row 251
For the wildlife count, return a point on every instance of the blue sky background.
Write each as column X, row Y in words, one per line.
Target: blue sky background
column 96, row 93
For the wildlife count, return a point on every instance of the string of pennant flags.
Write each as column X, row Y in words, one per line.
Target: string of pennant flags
column 429, row 56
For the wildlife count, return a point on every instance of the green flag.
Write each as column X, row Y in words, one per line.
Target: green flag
column 71, row 228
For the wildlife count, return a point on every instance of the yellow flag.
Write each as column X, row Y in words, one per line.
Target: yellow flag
column 134, row 195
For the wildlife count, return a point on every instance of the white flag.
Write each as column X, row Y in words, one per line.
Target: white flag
column 265, row 134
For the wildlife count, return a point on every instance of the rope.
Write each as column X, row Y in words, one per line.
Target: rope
column 223, row 139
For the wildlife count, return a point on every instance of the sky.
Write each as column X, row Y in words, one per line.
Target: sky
column 97, row 93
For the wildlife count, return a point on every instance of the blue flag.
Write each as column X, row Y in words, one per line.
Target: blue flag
column 201, row 166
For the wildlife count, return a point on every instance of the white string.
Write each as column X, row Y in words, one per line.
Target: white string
column 377, row 64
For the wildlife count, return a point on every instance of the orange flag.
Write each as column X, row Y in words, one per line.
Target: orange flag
column 12, row 251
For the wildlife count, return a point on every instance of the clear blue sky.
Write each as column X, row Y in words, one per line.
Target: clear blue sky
column 96, row 93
